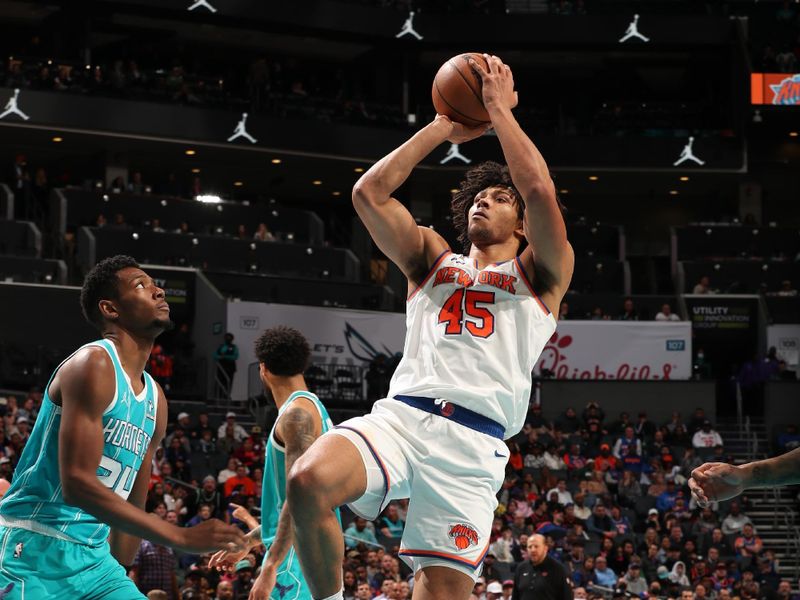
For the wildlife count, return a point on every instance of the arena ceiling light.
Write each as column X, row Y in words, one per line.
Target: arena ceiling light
column 684, row 178
column 593, row 178
column 317, row 182
column 238, row 183
column 189, row 152
column 276, row 161
column 564, row 191
column 195, row 170
column 336, row 193
column 208, row 199
column 792, row 134
column 359, row 169
column 58, row 139
column 673, row 192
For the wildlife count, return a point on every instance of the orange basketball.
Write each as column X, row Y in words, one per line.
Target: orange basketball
column 457, row 90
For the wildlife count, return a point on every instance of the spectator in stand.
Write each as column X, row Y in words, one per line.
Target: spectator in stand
column 678, row 574
column 203, row 425
column 563, row 313
column 564, row 495
column 674, row 421
column 210, row 495
column 629, row 312
column 748, row 545
column 263, row 234
column 553, row 461
column 644, row 428
column 239, row 432
column 621, row 523
column 390, row 524
column 581, row 511
column 154, row 568
column 628, row 489
column 703, row 286
column 734, row 523
column 359, row 532
column 575, row 461
column 666, row 499
column 228, row 472
column 537, row 421
column 248, row 486
column 697, row 420
column 628, row 441
column 706, row 437
column 605, row 461
column 603, row 574
column 593, row 412
column 568, row 421
column 666, row 314
column 600, row 523
column 634, row 582
column 226, row 356
column 246, row 453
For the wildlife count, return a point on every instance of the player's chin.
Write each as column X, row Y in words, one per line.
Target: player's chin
column 163, row 324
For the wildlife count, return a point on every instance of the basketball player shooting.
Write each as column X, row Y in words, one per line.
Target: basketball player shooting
column 74, row 511
column 476, row 324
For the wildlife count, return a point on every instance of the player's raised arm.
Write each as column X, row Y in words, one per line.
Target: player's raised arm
column 544, row 224
column 86, row 385
column 123, row 545
column 390, row 223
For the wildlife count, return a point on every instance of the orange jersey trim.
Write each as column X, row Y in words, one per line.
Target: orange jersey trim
column 447, row 556
column 433, row 268
column 524, row 276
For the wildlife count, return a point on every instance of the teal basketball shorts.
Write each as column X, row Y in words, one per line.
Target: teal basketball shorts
column 38, row 567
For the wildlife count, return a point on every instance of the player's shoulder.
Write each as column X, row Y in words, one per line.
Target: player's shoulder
column 89, row 361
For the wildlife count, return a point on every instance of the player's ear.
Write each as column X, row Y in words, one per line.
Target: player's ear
column 108, row 311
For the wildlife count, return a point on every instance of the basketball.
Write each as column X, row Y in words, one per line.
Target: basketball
column 457, row 90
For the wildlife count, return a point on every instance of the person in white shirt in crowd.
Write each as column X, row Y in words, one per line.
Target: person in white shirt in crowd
column 564, row 495
column 735, row 521
column 630, row 440
column 666, row 314
column 552, row 459
column 582, row 511
column 502, row 546
column 239, row 432
column 229, row 471
column 706, row 437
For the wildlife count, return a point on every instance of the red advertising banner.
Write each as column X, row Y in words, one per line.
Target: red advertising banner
column 775, row 88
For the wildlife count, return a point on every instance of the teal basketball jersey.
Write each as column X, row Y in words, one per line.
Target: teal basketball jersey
column 290, row 583
column 35, row 502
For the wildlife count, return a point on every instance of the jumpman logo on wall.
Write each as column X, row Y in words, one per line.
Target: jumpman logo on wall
column 203, row 3
column 633, row 31
column 12, row 108
column 454, row 152
column 688, row 154
column 408, row 27
column 241, row 131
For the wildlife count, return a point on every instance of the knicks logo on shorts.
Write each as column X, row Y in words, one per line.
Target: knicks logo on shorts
column 463, row 536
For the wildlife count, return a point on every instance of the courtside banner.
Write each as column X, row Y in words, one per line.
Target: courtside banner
column 618, row 350
column 336, row 335
column 775, row 88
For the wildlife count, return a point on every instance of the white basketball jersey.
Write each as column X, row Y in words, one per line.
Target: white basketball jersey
column 472, row 337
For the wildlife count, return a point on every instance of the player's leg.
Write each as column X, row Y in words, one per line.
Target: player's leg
column 361, row 463
column 329, row 474
column 106, row 579
column 441, row 583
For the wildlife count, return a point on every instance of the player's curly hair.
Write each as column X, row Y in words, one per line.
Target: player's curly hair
column 283, row 350
column 477, row 179
column 101, row 283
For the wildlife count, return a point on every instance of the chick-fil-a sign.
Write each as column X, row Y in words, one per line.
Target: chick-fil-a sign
column 618, row 350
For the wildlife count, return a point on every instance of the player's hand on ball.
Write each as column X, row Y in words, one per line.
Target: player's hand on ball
column 210, row 536
column 460, row 133
column 497, row 83
column 713, row 482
